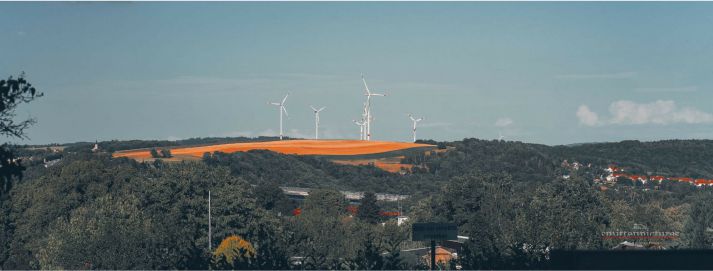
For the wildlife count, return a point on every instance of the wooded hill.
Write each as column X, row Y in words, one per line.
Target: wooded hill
column 88, row 210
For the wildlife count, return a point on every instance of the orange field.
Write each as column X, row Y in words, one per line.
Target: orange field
column 300, row 147
column 390, row 166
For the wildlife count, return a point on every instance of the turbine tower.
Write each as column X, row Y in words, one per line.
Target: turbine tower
column 415, row 121
column 316, row 120
column 369, row 118
column 362, row 123
column 281, row 110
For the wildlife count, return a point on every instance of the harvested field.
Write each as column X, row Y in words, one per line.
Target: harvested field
column 299, row 147
column 394, row 167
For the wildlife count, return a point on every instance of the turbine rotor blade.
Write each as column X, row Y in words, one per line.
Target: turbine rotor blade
column 285, row 110
column 285, row 99
column 366, row 88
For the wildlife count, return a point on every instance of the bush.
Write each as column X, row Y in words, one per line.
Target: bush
column 166, row 153
column 154, row 153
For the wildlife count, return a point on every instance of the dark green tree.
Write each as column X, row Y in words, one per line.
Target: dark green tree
column 325, row 203
column 271, row 197
column 368, row 255
column 111, row 234
column 480, row 204
column 154, row 153
column 698, row 230
column 320, row 233
column 272, row 246
column 166, row 153
column 13, row 92
column 392, row 238
column 368, row 209
column 563, row 214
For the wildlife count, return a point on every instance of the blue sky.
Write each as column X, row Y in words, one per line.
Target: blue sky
column 551, row 73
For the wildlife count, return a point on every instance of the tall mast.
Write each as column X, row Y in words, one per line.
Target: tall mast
column 209, row 225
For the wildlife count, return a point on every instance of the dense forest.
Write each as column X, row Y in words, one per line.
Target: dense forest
column 78, row 209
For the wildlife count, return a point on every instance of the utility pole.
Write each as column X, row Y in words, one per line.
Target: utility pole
column 209, row 225
column 433, row 254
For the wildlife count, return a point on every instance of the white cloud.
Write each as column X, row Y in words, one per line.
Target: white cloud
column 297, row 133
column 587, row 116
column 619, row 75
column 659, row 112
column 503, row 122
column 632, row 113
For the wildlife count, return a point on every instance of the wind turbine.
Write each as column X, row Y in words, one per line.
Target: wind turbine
column 500, row 136
column 282, row 110
column 368, row 95
column 361, row 124
column 415, row 121
column 316, row 120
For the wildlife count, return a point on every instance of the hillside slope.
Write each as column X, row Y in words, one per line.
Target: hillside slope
column 299, row 147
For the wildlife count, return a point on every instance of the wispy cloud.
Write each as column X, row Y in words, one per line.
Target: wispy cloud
column 618, row 75
column 667, row 89
column 503, row 122
column 631, row 113
column 587, row 116
column 297, row 133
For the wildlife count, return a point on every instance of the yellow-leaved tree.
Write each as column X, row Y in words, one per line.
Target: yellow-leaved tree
column 233, row 252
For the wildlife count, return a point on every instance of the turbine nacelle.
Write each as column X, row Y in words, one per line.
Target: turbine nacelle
column 414, row 119
column 317, row 110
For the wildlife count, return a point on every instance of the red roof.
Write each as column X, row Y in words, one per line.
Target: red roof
column 352, row 209
column 700, row 181
column 384, row 213
column 704, row 181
